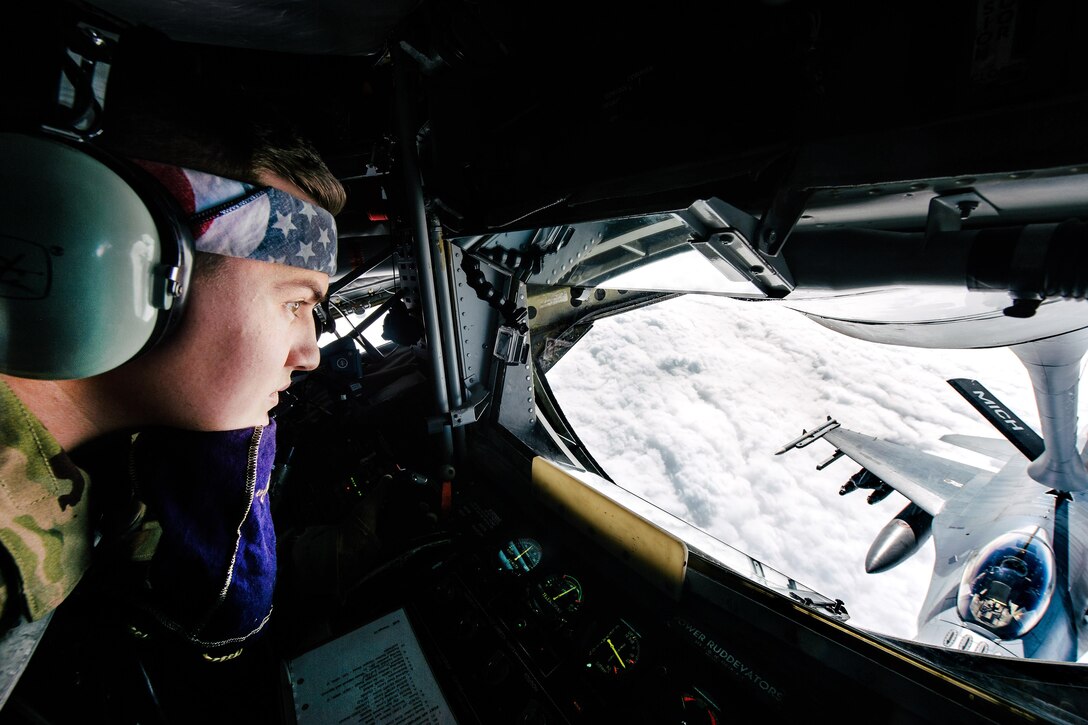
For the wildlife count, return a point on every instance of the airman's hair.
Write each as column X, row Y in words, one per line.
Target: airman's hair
column 286, row 154
column 241, row 151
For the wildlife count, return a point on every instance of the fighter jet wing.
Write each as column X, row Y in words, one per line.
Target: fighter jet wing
column 925, row 479
column 996, row 448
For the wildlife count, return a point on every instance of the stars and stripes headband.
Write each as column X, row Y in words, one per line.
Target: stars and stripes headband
column 237, row 219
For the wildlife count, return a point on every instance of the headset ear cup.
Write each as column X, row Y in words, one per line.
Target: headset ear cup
column 96, row 259
column 176, row 251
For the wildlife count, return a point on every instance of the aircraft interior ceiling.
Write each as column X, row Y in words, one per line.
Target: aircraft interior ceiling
column 506, row 166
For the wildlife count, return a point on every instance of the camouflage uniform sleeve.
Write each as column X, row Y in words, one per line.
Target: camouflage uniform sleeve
column 45, row 522
column 3, row 596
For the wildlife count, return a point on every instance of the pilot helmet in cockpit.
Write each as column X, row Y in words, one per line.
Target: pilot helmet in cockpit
column 1007, row 586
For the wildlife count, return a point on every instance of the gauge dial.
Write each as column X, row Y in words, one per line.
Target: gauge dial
column 558, row 595
column 698, row 709
column 519, row 556
column 617, row 653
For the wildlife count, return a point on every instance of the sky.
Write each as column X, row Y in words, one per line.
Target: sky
column 685, row 402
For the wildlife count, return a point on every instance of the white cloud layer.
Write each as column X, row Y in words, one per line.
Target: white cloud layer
column 685, row 402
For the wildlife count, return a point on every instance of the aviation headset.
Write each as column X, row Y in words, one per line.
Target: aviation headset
column 95, row 258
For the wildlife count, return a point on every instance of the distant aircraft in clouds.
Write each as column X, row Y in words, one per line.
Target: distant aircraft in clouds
column 1010, row 574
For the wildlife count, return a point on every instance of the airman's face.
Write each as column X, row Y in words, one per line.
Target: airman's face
column 247, row 326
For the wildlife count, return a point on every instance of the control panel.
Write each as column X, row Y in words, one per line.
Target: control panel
column 524, row 621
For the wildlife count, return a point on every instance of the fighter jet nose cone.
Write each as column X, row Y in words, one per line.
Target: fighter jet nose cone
column 895, row 542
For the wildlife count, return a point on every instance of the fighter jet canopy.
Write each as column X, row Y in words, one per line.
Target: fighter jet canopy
column 1008, row 586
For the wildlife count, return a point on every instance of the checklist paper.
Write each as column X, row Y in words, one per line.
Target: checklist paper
column 376, row 674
